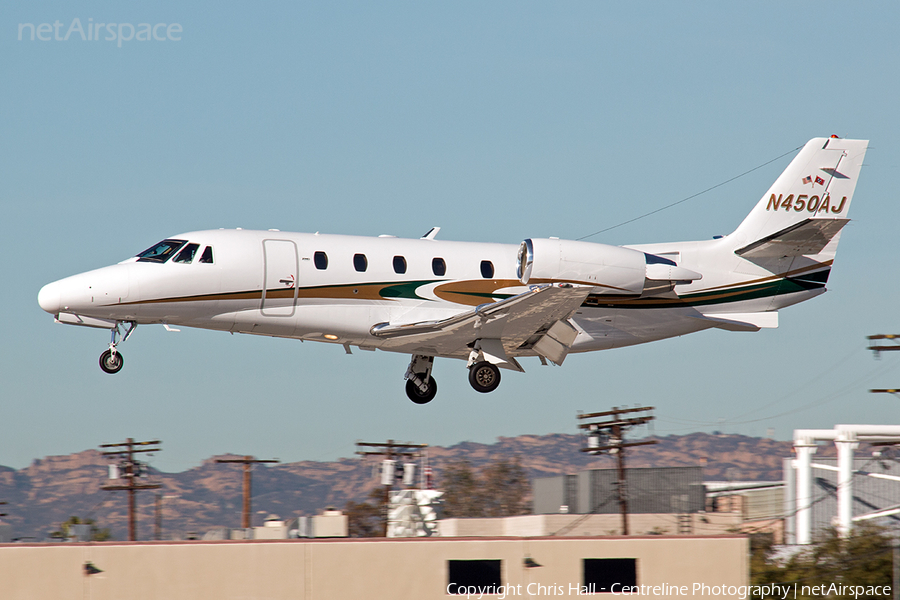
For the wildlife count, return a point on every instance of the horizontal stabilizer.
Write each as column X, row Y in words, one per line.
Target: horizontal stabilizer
column 807, row 237
column 742, row 321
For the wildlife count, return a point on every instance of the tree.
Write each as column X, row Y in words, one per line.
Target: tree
column 460, row 487
column 863, row 559
column 498, row 490
column 366, row 519
column 65, row 530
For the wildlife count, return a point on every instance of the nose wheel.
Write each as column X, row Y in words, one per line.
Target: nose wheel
column 111, row 361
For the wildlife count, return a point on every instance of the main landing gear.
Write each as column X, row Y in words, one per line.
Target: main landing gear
column 484, row 377
column 421, row 387
column 111, row 361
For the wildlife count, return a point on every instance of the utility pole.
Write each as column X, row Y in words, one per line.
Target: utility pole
column 391, row 450
column 877, row 348
column 132, row 470
column 609, row 437
column 248, row 462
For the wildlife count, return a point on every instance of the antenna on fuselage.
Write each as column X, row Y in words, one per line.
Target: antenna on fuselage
column 432, row 233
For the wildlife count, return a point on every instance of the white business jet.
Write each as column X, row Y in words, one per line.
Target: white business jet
column 487, row 304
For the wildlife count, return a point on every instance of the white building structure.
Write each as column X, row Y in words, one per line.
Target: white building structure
column 846, row 439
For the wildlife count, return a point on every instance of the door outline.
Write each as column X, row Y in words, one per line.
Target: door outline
column 280, row 264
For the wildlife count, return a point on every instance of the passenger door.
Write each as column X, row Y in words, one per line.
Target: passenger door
column 280, row 279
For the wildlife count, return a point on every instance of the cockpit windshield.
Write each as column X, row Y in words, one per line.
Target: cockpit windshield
column 161, row 252
column 187, row 253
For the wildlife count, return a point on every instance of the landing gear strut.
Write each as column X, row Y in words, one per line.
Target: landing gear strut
column 421, row 387
column 111, row 361
column 484, row 377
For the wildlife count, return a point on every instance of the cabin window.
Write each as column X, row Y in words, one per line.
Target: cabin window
column 487, row 269
column 603, row 573
column 399, row 265
column 463, row 575
column 438, row 267
column 321, row 260
column 187, row 254
column 360, row 263
column 161, row 252
column 207, row 256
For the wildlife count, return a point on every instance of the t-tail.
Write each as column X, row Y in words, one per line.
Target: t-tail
column 782, row 252
column 800, row 218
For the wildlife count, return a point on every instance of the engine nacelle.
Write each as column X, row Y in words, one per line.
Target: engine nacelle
column 610, row 269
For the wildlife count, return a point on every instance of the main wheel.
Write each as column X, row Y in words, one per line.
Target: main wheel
column 484, row 377
column 111, row 363
column 416, row 395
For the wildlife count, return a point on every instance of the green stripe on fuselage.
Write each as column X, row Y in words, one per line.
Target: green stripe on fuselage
column 405, row 290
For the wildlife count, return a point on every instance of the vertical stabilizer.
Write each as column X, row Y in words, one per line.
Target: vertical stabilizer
column 818, row 185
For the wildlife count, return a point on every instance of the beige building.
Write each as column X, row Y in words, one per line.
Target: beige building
column 590, row 525
column 371, row 569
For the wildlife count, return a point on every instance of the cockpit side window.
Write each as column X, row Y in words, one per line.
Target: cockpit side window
column 187, row 254
column 161, row 252
column 207, row 256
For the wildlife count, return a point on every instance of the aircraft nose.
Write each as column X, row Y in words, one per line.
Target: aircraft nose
column 49, row 297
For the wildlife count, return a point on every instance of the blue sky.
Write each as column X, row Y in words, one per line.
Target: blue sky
column 495, row 121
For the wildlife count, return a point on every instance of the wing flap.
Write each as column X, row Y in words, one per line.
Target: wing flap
column 555, row 344
column 512, row 321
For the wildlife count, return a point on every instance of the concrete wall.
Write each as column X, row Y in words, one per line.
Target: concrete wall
column 337, row 569
column 588, row 525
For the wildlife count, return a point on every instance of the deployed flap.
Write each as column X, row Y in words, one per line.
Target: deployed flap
column 807, row 237
column 512, row 321
column 555, row 344
column 742, row 321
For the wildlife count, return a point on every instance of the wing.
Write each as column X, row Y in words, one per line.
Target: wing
column 530, row 323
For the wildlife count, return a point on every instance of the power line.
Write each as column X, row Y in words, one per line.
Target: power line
column 718, row 185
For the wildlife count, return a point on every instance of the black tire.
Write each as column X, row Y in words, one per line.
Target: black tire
column 111, row 363
column 416, row 395
column 484, row 377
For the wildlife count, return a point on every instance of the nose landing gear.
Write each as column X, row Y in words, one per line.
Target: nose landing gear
column 111, row 360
